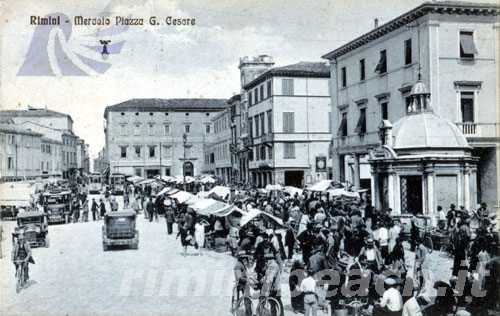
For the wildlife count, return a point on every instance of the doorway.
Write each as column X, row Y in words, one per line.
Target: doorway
column 411, row 195
column 188, row 169
column 294, row 178
column 151, row 173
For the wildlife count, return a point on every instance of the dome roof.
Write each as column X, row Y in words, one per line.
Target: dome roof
column 425, row 130
column 419, row 88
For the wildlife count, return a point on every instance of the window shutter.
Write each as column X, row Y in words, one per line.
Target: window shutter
column 343, row 124
column 288, row 122
column 361, row 125
column 382, row 63
column 467, row 43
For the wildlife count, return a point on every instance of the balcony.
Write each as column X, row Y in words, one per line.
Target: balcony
column 356, row 142
column 267, row 138
column 473, row 129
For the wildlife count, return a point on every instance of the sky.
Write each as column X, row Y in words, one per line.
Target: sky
column 167, row 61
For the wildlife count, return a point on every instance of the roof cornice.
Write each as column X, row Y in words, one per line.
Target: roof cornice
column 412, row 15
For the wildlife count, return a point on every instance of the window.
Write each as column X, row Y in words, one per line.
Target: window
column 289, row 150
column 408, row 51
column 382, row 63
column 269, row 122
column 207, row 129
column 343, row 74
column 384, row 109
column 166, row 129
column 362, row 73
column 467, row 106
column 261, row 92
column 270, row 152
column 361, row 126
column 262, row 124
column 123, row 151
column 269, row 88
column 256, row 95
column 263, row 152
column 343, row 126
column 287, row 87
column 137, row 129
column 152, row 151
column 137, row 150
column 138, row 172
column 250, row 127
column 123, row 129
column 288, row 122
column 151, row 129
column 257, row 130
column 167, row 172
column 250, row 100
column 467, row 47
column 10, row 163
column 187, row 128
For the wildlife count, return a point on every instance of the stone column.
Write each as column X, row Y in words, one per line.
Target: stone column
column 466, row 189
column 390, row 189
column 430, row 194
column 336, row 166
column 356, row 176
column 374, row 188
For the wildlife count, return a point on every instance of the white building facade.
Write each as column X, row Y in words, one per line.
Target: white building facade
column 454, row 48
column 288, row 123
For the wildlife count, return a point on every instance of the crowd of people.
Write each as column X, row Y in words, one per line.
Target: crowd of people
column 320, row 238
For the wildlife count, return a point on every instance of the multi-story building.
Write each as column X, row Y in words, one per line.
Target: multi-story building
column 218, row 157
column 250, row 68
column 51, row 124
column 82, row 157
column 20, row 153
column 51, row 161
column 149, row 137
column 453, row 47
column 100, row 162
column 289, row 124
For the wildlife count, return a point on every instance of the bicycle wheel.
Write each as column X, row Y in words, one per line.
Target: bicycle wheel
column 269, row 307
column 243, row 307
column 428, row 243
column 19, row 279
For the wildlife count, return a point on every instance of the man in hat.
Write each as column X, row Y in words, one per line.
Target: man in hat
column 290, row 238
column 391, row 303
column 21, row 255
column 169, row 216
column 371, row 255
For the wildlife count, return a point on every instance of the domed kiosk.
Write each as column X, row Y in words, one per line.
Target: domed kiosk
column 423, row 161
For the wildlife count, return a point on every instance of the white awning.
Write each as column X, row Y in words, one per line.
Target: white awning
column 254, row 213
column 182, row 196
column 221, row 191
column 321, row 186
column 274, row 187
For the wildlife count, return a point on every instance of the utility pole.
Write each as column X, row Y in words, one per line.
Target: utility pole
column 184, row 141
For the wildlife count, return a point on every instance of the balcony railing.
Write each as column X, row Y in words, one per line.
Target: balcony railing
column 477, row 129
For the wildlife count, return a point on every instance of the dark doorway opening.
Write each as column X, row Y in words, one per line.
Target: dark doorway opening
column 188, row 169
column 151, row 173
column 411, row 195
column 294, row 178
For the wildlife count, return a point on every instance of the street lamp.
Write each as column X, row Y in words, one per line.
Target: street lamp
column 184, row 141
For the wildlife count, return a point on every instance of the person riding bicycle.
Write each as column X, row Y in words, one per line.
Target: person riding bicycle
column 271, row 286
column 241, row 279
column 21, row 255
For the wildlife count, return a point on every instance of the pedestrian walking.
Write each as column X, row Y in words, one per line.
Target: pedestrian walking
column 169, row 219
column 199, row 235
column 308, row 287
column 102, row 208
column 85, row 210
column 150, row 209
column 93, row 209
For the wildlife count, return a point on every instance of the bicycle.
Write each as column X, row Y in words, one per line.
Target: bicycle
column 20, row 274
column 243, row 305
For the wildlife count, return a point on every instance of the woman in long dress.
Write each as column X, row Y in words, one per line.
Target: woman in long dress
column 199, row 235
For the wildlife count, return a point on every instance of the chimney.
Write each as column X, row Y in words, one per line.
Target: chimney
column 375, row 23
